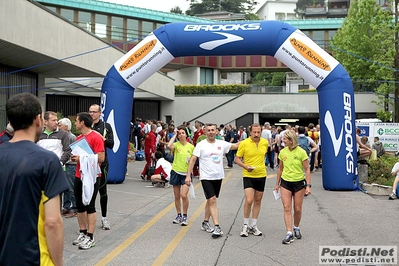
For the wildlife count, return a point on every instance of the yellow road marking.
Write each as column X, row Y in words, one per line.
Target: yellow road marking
column 114, row 253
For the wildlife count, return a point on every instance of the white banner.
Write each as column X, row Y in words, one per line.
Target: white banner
column 388, row 134
column 306, row 58
column 143, row 60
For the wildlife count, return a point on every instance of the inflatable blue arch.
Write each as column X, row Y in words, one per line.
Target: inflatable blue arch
column 273, row 38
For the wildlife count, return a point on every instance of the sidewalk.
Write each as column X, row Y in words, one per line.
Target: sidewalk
column 142, row 232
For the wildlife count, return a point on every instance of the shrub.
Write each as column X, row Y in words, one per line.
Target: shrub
column 210, row 89
column 380, row 170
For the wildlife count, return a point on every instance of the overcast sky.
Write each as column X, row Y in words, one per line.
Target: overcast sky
column 161, row 5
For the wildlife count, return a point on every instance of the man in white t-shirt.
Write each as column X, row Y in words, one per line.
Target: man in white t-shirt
column 210, row 154
column 267, row 134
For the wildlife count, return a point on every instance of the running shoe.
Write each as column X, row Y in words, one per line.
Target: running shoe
column 297, row 233
column 244, row 231
column 255, row 231
column 105, row 224
column 81, row 238
column 288, row 239
column 217, row 232
column 392, row 196
column 87, row 244
column 184, row 221
column 206, row 226
column 177, row 220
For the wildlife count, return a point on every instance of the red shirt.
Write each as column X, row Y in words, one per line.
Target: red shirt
column 96, row 143
column 150, row 142
column 197, row 134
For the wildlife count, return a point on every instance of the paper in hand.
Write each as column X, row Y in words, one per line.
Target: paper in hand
column 276, row 194
column 192, row 191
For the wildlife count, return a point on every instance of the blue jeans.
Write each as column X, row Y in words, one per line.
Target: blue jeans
column 69, row 196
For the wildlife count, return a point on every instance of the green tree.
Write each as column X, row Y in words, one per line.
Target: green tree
column 301, row 5
column 278, row 79
column 268, row 78
column 176, row 10
column 365, row 46
column 234, row 6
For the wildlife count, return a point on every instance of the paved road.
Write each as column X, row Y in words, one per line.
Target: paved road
column 142, row 231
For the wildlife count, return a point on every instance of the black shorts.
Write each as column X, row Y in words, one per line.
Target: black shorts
column 211, row 188
column 293, row 186
column 256, row 183
column 177, row 179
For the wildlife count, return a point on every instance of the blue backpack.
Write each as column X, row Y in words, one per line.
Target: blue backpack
column 303, row 142
column 140, row 156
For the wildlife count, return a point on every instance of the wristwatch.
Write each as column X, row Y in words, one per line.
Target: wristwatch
column 309, row 185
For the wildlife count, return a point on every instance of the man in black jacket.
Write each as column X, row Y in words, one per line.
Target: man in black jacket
column 105, row 130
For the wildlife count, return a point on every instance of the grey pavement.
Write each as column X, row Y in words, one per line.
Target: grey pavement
column 142, row 232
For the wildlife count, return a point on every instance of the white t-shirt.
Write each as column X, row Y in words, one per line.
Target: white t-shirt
column 147, row 128
column 211, row 158
column 281, row 138
column 319, row 143
column 395, row 168
column 266, row 134
column 166, row 166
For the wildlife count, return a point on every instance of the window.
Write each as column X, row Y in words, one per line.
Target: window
column 84, row 20
column 52, row 8
column 68, row 14
column 280, row 16
column 206, row 76
column 100, row 28
column 331, row 34
column 146, row 28
column 318, row 37
column 158, row 25
column 132, row 30
column 306, row 32
column 117, row 28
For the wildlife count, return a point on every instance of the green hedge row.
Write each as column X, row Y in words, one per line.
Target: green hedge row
column 210, row 89
column 216, row 89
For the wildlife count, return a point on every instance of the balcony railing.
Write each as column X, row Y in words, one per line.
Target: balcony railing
column 315, row 11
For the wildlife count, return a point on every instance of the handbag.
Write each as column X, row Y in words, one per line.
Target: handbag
column 150, row 169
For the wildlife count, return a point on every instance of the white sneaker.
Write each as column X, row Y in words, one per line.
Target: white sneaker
column 105, row 224
column 87, row 244
column 217, row 232
column 392, row 196
column 244, row 231
column 81, row 238
column 206, row 226
column 255, row 231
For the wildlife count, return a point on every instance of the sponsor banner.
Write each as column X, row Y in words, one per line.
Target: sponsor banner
column 358, row 255
column 337, row 111
column 388, row 133
column 386, row 129
column 143, row 60
column 306, row 58
column 364, row 130
column 116, row 106
column 278, row 39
